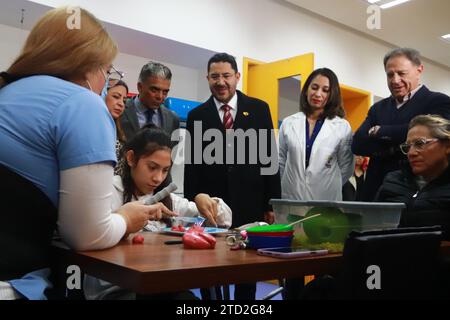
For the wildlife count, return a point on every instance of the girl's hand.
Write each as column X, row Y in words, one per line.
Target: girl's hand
column 136, row 214
column 208, row 207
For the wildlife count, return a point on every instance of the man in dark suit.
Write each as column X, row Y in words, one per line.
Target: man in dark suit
column 244, row 185
column 386, row 125
column 147, row 107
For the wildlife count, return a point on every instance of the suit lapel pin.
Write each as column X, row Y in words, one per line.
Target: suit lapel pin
column 246, row 114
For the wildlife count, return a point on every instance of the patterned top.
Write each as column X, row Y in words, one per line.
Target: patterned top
column 120, row 162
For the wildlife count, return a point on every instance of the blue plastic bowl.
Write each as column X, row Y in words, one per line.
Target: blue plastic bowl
column 258, row 242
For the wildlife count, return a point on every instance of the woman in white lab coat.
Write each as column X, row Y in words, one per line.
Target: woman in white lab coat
column 315, row 143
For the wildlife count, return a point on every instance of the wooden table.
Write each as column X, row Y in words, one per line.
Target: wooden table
column 154, row 267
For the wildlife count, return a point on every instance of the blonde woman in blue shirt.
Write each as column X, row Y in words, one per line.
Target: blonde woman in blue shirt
column 58, row 151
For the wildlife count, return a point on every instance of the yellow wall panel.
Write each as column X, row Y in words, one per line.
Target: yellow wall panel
column 260, row 79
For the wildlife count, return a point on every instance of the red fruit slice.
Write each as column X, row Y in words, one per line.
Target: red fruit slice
column 138, row 239
column 211, row 240
column 179, row 228
column 192, row 240
column 196, row 228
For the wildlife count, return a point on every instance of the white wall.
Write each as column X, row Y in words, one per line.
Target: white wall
column 266, row 30
column 187, row 83
column 11, row 42
column 184, row 84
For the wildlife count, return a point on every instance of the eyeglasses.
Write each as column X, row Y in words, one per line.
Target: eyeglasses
column 217, row 76
column 418, row 144
column 114, row 76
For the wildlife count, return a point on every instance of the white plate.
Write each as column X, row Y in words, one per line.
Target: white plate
column 207, row 230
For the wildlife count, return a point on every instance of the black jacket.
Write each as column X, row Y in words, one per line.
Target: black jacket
column 130, row 124
column 427, row 207
column 241, row 186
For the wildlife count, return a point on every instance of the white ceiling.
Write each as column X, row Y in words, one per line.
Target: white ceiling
column 11, row 13
column 418, row 24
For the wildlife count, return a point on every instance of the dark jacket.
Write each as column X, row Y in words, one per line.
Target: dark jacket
column 241, row 186
column 130, row 124
column 427, row 207
column 383, row 149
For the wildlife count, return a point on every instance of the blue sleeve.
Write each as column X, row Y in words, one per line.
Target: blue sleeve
column 84, row 132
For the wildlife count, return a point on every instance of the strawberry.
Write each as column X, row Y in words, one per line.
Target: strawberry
column 138, row 239
column 196, row 228
column 179, row 228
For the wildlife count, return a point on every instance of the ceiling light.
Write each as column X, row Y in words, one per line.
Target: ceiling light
column 385, row 4
column 446, row 38
column 392, row 4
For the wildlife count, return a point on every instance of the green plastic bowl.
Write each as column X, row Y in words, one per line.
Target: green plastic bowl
column 271, row 228
column 332, row 226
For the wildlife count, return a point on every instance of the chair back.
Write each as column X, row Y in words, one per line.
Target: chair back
column 392, row 264
column 27, row 222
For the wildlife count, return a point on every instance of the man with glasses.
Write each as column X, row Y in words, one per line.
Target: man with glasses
column 386, row 125
column 153, row 87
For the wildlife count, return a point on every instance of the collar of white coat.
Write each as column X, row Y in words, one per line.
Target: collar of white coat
column 302, row 117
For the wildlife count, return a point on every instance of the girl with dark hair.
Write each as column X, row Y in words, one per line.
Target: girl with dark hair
column 147, row 163
column 315, row 155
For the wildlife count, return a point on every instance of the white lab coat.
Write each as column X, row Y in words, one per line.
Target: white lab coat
column 331, row 163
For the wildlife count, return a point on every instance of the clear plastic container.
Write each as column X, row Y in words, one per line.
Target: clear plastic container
column 337, row 220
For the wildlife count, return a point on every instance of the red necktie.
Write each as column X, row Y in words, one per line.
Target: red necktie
column 227, row 118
